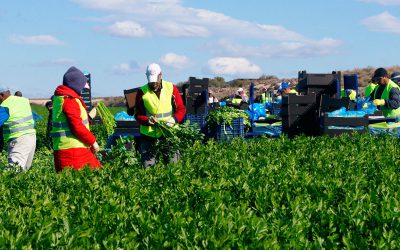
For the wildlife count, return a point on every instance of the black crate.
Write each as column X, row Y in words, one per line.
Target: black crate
column 329, row 104
column 299, row 99
column 226, row 132
column 126, row 124
column 300, row 124
column 349, row 124
column 198, row 85
column 297, row 109
column 86, row 94
column 132, row 130
column 299, row 115
column 196, row 106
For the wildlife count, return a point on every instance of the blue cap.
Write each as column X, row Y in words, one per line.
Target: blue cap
column 284, row 85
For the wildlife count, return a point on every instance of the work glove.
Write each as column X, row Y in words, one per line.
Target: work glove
column 93, row 113
column 171, row 122
column 152, row 120
column 95, row 147
column 379, row 102
column 365, row 106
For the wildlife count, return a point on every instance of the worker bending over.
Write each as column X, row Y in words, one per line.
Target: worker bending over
column 386, row 95
column 18, row 129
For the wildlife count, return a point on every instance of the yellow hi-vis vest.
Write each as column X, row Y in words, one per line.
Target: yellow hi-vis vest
column 368, row 90
column 160, row 108
column 236, row 100
column 20, row 121
column 385, row 96
column 61, row 133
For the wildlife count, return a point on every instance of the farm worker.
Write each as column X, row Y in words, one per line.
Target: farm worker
column 239, row 97
column 18, row 129
column 49, row 106
column 395, row 77
column 386, row 95
column 369, row 89
column 211, row 98
column 156, row 101
column 350, row 93
column 73, row 143
column 284, row 89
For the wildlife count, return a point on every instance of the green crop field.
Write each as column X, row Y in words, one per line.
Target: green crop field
column 258, row 194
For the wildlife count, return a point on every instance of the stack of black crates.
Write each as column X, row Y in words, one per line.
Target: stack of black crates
column 299, row 115
column 195, row 95
column 86, row 94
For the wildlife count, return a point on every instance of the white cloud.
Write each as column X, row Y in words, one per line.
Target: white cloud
column 383, row 22
column 125, row 68
column 175, row 61
column 181, row 21
column 173, row 29
column 126, row 29
column 36, row 40
column 308, row 48
column 382, row 2
column 233, row 66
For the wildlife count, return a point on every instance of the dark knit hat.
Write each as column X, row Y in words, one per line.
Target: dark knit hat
column 380, row 72
column 74, row 79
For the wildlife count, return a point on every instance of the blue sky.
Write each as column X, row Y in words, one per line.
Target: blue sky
column 114, row 40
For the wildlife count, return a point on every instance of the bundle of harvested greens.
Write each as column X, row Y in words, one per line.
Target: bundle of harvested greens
column 106, row 117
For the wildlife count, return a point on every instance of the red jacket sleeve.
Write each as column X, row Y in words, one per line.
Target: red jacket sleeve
column 72, row 111
column 180, row 109
column 140, row 110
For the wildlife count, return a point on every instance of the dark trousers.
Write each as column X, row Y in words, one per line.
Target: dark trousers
column 149, row 154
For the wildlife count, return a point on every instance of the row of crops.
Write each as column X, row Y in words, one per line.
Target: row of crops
column 262, row 193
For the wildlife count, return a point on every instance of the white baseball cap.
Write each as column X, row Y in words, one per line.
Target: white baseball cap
column 152, row 72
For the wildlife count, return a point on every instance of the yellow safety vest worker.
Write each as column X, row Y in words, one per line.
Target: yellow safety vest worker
column 385, row 96
column 161, row 108
column 61, row 133
column 264, row 98
column 236, row 100
column 369, row 89
column 20, row 121
column 352, row 96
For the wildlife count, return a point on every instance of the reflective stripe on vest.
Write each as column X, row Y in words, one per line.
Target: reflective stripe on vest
column 159, row 107
column 385, row 96
column 61, row 133
column 65, row 124
column 163, row 115
column 25, row 119
column 18, row 129
column 20, row 121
